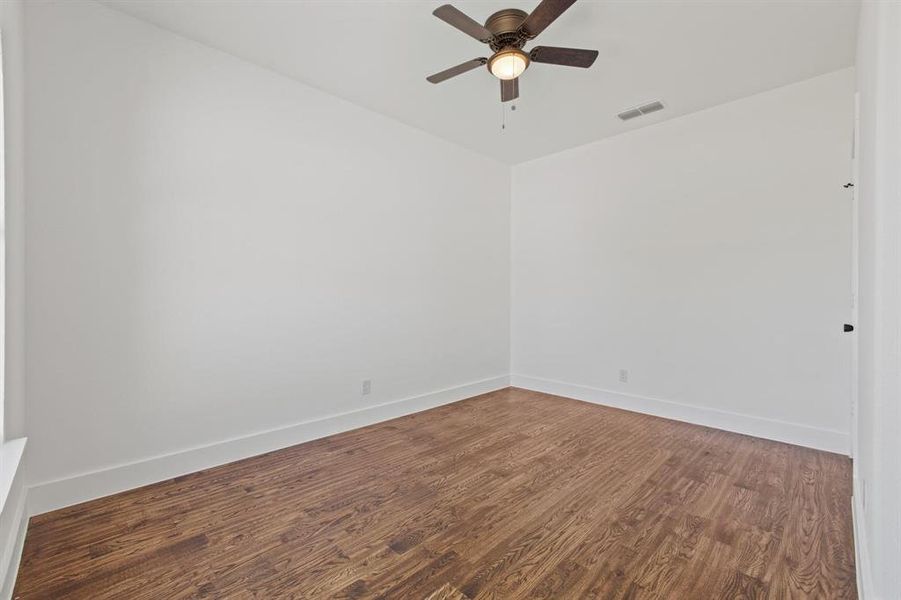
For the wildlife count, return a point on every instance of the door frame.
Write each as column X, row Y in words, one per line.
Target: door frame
column 855, row 278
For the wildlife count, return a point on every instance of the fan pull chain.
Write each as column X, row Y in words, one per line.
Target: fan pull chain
column 504, row 115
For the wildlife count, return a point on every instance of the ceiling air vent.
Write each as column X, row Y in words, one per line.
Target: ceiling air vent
column 641, row 110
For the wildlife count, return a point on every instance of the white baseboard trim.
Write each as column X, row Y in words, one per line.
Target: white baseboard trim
column 861, row 550
column 52, row 495
column 781, row 431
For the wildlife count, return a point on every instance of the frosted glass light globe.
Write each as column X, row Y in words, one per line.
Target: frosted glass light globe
column 508, row 64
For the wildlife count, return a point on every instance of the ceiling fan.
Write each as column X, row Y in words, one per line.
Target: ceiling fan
column 506, row 32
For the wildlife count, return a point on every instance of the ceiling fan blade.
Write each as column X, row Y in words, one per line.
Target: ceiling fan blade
column 570, row 57
column 543, row 15
column 464, row 23
column 509, row 89
column 469, row 65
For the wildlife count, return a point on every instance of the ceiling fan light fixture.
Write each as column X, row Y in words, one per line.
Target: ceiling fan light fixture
column 508, row 63
column 505, row 33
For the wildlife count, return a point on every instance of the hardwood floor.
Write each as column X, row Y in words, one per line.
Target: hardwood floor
column 513, row 494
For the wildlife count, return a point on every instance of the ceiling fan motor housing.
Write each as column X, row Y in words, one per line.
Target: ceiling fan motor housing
column 504, row 27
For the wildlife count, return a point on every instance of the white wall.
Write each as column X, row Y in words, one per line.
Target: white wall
column 708, row 255
column 12, row 30
column 876, row 469
column 12, row 497
column 215, row 250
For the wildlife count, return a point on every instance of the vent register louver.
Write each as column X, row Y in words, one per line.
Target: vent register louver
column 638, row 111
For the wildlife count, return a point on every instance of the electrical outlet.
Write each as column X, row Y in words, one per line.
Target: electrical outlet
column 624, row 375
column 367, row 387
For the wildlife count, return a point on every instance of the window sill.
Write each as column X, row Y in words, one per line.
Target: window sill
column 10, row 458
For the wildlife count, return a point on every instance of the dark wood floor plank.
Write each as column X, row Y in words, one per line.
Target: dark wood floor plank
column 511, row 495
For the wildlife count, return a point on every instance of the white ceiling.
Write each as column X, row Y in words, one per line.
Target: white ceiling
column 375, row 53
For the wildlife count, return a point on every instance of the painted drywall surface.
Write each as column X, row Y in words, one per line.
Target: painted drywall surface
column 647, row 48
column 12, row 30
column 876, row 471
column 215, row 250
column 12, row 496
column 707, row 255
